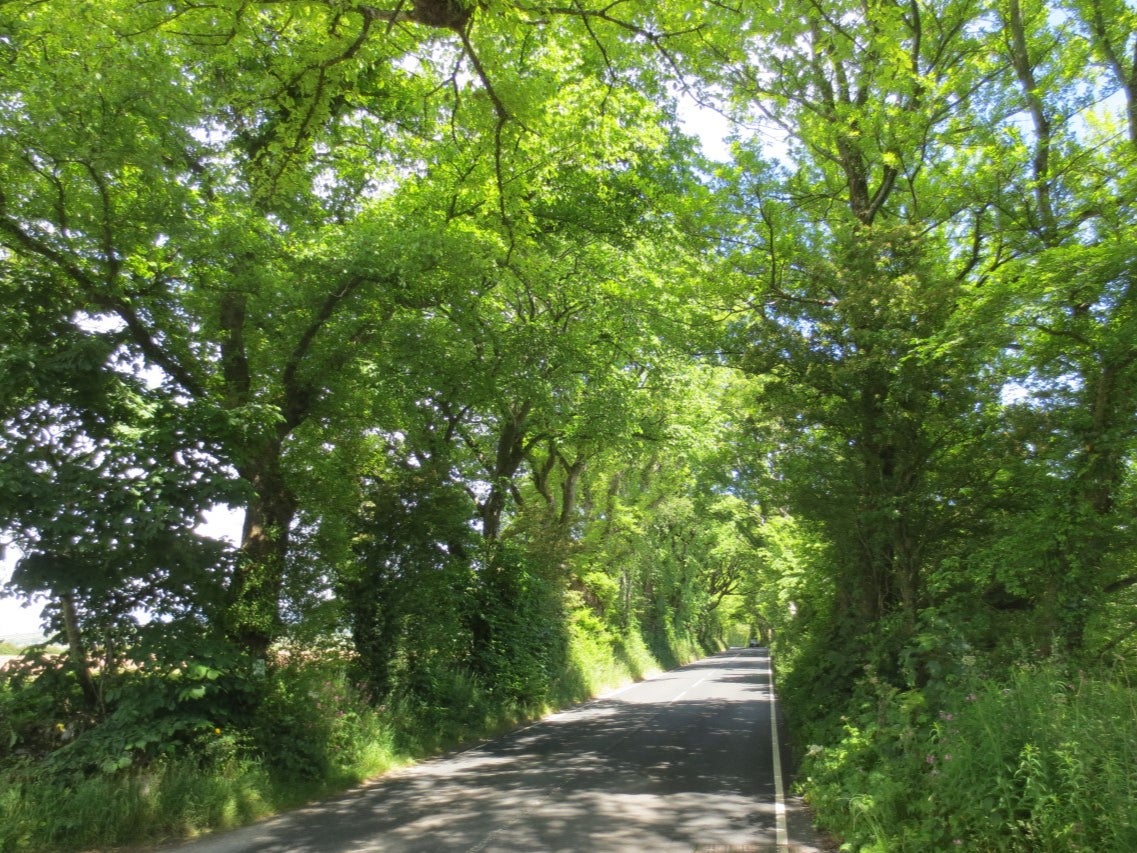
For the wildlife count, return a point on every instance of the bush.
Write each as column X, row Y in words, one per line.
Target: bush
column 519, row 637
column 1031, row 763
column 182, row 684
column 1051, row 760
column 41, row 708
column 598, row 657
column 315, row 724
column 187, row 750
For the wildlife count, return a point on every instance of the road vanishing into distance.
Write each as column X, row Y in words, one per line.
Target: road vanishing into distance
column 689, row 760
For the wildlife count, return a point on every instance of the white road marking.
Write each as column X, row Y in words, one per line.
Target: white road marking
column 685, row 692
column 781, row 833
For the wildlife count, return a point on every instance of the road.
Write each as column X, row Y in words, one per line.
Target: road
column 684, row 761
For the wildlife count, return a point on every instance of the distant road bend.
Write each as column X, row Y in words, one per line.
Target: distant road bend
column 685, row 761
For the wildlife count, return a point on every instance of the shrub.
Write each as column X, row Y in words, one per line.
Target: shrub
column 1031, row 763
column 314, row 723
column 220, row 762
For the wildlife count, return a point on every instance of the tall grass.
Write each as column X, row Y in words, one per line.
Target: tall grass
column 175, row 799
column 1036, row 762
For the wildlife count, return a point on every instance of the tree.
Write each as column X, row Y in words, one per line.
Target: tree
column 1069, row 298
column 870, row 375
column 297, row 176
column 899, row 264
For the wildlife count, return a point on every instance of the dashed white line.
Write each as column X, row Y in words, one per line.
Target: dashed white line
column 685, row 692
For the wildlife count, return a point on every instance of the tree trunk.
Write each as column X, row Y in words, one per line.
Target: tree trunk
column 77, row 651
column 509, row 455
column 253, row 614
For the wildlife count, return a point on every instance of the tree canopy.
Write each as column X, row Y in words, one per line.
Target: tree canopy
column 441, row 298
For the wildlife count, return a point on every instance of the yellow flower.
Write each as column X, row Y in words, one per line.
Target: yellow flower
column 217, row 731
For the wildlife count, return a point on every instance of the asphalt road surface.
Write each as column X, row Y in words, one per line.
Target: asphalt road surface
column 684, row 761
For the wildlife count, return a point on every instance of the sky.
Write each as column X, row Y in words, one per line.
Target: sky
column 14, row 617
column 711, row 127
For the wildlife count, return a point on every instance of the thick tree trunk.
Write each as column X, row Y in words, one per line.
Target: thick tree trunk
column 569, row 486
column 509, row 455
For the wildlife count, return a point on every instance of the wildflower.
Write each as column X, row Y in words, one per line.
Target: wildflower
column 947, row 756
column 930, row 759
column 971, row 697
column 217, row 731
column 958, row 842
column 944, row 715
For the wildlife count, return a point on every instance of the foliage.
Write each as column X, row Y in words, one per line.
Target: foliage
column 406, row 590
column 519, row 395
column 1039, row 761
column 186, row 750
column 312, row 723
column 315, row 730
column 937, row 317
column 235, row 270
column 183, row 685
column 599, row 657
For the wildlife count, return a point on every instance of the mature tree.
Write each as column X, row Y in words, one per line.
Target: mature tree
column 1070, row 299
column 871, row 375
column 854, row 256
column 244, row 196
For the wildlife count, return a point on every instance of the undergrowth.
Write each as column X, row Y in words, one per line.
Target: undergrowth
column 191, row 750
column 1038, row 760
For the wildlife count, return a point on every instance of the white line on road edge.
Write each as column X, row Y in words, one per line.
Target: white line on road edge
column 781, row 834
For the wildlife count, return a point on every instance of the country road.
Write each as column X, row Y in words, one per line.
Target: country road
column 684, row 761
